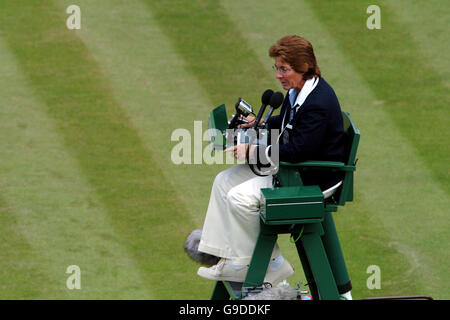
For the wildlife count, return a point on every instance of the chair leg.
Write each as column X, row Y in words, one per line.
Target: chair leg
column 220, row 292
column 306, row 268
column 260, row 258
column 320, row 266
column 335, row 256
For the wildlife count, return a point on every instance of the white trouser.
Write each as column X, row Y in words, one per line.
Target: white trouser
column 231, row 225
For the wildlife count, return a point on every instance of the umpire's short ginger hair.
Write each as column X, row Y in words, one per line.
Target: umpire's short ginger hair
column 298, row 53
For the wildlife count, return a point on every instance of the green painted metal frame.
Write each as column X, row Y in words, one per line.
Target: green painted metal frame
column 218, row 122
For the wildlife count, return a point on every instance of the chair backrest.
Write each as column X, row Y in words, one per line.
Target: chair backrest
column 352, row 135
column 288, row 174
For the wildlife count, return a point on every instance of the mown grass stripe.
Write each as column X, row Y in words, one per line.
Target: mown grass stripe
column 213, row 49
column 159, row 95
column 98, row 133
column 432, row 41
column 154, row 88
column 21, row 272
column 407, row 86
column 411, row 196
column 52, row 207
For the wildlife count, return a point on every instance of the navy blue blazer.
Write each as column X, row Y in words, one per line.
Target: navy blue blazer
column 317, row 134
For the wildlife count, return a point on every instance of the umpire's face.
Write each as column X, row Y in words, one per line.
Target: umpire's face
column 288, row 77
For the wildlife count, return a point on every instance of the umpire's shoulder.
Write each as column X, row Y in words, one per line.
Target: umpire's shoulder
column 323, row 94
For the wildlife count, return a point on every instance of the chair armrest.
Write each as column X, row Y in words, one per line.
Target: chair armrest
column 334, row 165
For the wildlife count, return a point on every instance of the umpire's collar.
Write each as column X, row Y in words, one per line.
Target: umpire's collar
column 308, row 87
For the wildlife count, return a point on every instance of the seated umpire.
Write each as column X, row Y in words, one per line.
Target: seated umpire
column 311, row 128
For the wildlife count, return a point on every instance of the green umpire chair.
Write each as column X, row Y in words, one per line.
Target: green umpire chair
column 305, row 212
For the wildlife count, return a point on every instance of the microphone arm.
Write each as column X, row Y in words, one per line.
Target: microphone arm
column 268, row 115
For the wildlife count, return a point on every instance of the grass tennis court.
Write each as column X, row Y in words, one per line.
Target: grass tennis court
column 86, row 119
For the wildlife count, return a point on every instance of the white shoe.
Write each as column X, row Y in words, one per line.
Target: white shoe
column 279, row 270
column 223, row 271
column 346, row 296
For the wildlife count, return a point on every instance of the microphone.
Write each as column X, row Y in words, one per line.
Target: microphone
column 265, row 100
column 275, row 102
column 242, row 108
